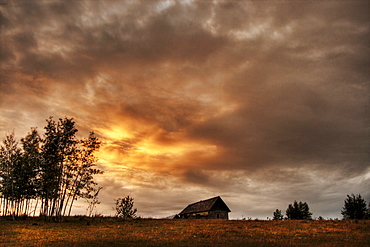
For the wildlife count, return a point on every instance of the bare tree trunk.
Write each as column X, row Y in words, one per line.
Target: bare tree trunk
column 35, row 208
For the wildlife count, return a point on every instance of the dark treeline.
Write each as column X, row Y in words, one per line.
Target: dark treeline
column 46, row 175
column 354, row 208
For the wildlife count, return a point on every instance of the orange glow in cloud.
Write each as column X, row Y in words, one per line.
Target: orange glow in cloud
column 115, row 133
column 147, row 153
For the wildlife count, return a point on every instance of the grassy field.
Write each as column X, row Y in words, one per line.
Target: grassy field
column 108, row 232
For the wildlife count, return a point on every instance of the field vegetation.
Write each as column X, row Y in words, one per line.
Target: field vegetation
column 80, row 231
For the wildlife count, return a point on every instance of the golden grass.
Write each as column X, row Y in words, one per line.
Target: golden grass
column 184, row 233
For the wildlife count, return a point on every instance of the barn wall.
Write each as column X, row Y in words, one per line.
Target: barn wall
column 218, row 215
column 207, row 215
column 200, row 215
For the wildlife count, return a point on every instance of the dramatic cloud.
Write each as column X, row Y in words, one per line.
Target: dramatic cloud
column 261, row 102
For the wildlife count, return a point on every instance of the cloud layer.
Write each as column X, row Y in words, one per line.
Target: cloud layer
column 262, row 102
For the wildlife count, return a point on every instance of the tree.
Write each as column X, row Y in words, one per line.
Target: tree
column 124, row 207
column 83, row 185
column 298, row 211
column 30, row 168
column 354, row 207
column 278, row 215
column 59, row 150
column 18, row 173
column 92, row 202
column 10, row 158
column 68, row 168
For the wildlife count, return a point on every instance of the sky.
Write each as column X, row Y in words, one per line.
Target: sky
column 259, row 102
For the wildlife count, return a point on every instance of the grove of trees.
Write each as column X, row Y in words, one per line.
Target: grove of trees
column 47, row 174
column 354, row 208
column 295, row 211
column 298, row 211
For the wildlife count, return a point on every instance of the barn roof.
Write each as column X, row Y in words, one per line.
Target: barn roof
column 206, row 205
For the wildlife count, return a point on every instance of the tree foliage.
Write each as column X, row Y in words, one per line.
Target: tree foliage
column 278, row 215
column 298, row 211
column 124, row 207
column 47, row 173
column 354, row 207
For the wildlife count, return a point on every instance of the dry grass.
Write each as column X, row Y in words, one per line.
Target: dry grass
column 184, row 233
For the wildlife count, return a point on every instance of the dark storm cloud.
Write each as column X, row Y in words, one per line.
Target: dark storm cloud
column 297, row 108
column 296, row 126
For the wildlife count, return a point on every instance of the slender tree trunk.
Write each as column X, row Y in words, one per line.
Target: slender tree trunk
column 17, row 207
column 26, row 204
column 3, row 206
column 70, row 206
column 73, row 192
column 6, row 206
column 35, row 208
column 67, row 202
column 65, row 189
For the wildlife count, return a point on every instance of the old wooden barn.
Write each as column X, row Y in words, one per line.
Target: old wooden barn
column 213, row 208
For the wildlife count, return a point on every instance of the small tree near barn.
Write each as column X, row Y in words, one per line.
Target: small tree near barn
column 124, row 207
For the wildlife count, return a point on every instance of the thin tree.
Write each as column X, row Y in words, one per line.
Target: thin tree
column 124, row 207
column 92, row 202
column 10, row 157
column 83, row 185
column 30, row 168
column 52, row 158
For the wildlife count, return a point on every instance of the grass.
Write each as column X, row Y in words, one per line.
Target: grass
column 108, row 232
